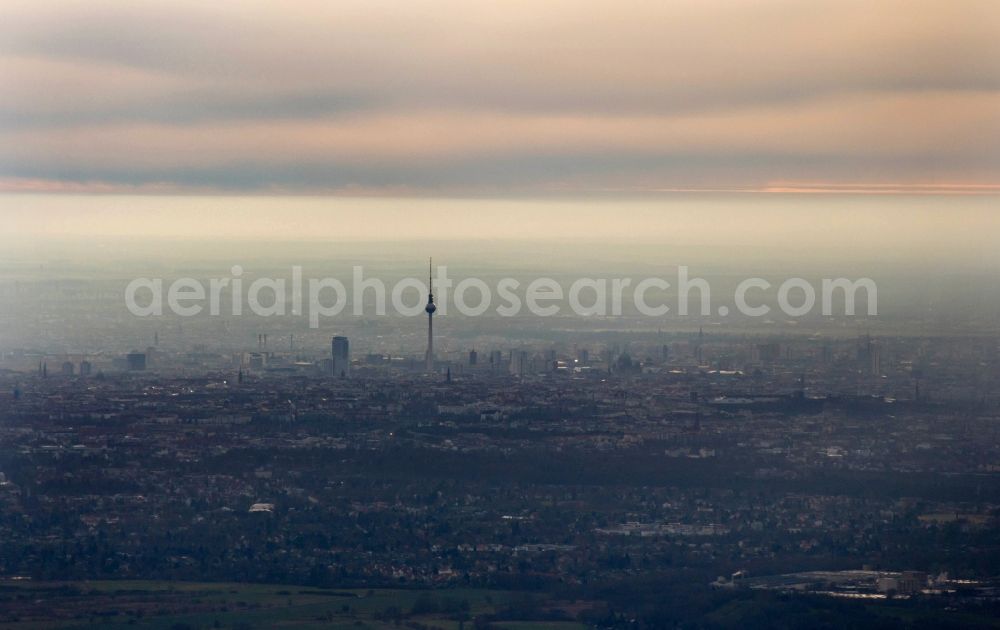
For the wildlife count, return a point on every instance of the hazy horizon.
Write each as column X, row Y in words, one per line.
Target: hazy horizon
column 883, row 232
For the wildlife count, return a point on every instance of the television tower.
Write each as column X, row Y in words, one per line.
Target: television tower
column 430, row 308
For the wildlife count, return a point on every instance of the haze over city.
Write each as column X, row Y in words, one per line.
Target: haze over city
column 440, row 314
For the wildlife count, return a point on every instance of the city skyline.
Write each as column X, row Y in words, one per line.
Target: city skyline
column 709, row 336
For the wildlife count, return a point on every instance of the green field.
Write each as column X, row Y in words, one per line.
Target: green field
column 181, row 605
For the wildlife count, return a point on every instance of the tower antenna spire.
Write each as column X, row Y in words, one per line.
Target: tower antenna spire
column 429, row 309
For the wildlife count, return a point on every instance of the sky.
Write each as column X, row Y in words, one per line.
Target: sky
column 374, row 97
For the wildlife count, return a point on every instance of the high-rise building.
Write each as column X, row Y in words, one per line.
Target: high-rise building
column 256, row 360
column 875, row 357
column 473, row 357
column 136, row 361
column 496, row 360
column 519, row 363
column 341, row 349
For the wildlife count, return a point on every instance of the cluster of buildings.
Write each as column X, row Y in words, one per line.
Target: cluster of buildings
column 366, row 470
column 495, row 456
